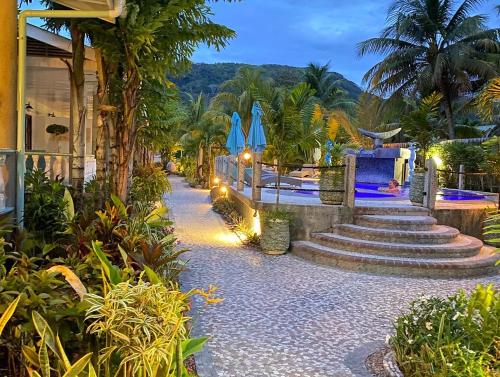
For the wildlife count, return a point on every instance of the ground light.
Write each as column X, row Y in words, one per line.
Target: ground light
column 256, row 223
column 438, row 161
column 247, row 156
column 223, row 190
column 216, row 181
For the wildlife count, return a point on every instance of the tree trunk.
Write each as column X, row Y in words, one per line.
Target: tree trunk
column 78, row 109
column 449, row 117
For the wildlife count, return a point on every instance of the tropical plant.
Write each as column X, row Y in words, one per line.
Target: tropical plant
column 423, row 125
column 327, row 88
column 239, row 94
column 455, row 337
column 149, row 184
column 48, row 205
column 431, row 45
column 152, row 347
column 487, row 100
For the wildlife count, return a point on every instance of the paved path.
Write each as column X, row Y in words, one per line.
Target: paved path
column 282, row 316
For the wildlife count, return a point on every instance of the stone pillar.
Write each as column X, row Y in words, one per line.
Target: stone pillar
column 240, row 184
column 349, row 181
column 461, row 177
column 256, row 176
column 431, row 184
column 8, row 94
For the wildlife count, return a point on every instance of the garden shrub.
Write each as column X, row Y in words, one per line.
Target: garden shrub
column 454, row 337
column 149, row 184
column 45, row 209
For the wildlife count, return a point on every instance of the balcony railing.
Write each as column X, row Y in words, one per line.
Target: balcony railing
column 55, row 164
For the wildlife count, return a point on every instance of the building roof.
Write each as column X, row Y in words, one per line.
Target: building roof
column 44, row 43
column 87, row 4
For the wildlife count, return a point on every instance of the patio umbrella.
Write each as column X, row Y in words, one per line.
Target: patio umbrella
column 256, row 137
column 235, row 143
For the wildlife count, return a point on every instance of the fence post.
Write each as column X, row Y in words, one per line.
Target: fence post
column 256, row 176
column 461, row 177
column 431, row 184
column 230, row 170
column 349, row 180
column 240, row 184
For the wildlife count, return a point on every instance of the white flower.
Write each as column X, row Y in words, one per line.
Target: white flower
column 457, row 314
column 428, row 325
column 387, row 339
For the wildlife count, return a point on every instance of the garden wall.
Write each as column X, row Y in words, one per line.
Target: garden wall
column 468, row 220
column 307, row 219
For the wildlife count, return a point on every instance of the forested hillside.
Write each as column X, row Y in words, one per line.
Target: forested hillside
column 207, row 78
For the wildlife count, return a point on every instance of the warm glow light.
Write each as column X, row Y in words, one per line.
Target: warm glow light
column 223, row 189
column 256, row 224
column 247, row 156
column 438, row 161
column 229, row 238
column 216, row 180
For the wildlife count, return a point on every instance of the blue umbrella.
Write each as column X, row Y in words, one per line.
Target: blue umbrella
column 236, row 140
column 256, row 136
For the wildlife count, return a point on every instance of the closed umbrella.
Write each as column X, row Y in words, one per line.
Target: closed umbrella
column 256, row 137
column 235, row 143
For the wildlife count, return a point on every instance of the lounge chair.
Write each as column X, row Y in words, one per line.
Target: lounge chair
column 270, row 177
column 307, row 171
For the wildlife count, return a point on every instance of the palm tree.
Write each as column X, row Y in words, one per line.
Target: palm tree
column 203, row 130
column 238, row 94
column 323, row 82
column 489, row 96
column 431, row 46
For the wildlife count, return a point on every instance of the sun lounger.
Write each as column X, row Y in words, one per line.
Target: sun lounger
column 270, row 177
column 307, row 171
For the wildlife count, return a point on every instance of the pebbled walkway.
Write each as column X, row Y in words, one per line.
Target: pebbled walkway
column 283, row 316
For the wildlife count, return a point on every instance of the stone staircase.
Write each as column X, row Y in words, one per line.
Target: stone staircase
column 402, row 240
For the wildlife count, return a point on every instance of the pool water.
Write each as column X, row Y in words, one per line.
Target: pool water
column 366, row 190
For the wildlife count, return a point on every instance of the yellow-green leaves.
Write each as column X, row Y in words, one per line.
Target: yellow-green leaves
column 8, row 313
column 71, row 278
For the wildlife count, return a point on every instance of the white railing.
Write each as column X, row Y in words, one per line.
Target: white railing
column 55, row 164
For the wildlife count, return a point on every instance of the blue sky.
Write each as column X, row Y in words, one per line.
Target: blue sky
column 297, row 32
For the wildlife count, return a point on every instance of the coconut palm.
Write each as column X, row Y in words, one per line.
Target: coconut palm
column 238, row 94
column 326, row 87
column 489, row 96
column 431, row 46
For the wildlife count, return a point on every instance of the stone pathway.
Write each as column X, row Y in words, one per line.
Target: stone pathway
column 283, row 316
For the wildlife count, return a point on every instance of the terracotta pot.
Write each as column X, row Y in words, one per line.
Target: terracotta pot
column 275, row 236
column 417, row 186
column 331, row 180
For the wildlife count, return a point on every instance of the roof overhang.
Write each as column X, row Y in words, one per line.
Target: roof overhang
column 90, row 6
column 55, row 40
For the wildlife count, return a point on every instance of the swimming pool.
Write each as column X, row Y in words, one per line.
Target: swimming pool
column 366, row 190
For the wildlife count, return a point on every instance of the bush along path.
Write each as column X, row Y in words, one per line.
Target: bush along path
column 283, row 316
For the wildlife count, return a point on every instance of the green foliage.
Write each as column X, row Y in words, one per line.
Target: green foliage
column 276, row 215
column 453, row 337
column 149, row 184
column 423, row 125
column 45, row 210
column 208, row 78
column 148, row 347
column 432, row 46
column 228, row 210
column 491, row 229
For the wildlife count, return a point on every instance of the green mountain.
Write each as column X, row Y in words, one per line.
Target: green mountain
column 207, row 78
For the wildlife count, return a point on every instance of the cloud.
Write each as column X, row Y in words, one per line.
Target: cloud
column 297, row 32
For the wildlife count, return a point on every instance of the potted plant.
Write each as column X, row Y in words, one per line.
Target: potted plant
column 331, row 181
column 417, row 186
column 275, row 235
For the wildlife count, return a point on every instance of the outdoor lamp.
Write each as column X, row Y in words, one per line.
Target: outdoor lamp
column 29, row 107
column 223, row 189
column 247, row 156
column 216, row 180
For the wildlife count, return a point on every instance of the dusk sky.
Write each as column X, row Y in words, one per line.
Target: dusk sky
column 297, row 32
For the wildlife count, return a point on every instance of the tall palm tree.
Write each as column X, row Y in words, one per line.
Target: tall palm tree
column 432, row 46
column 323, row 82
column 487, row 98
column 238, row 94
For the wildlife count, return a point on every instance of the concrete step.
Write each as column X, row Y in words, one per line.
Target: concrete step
column 396, row 222
column 439, row 234
column 461, row 247
column 482, row 264
column 388, row 209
